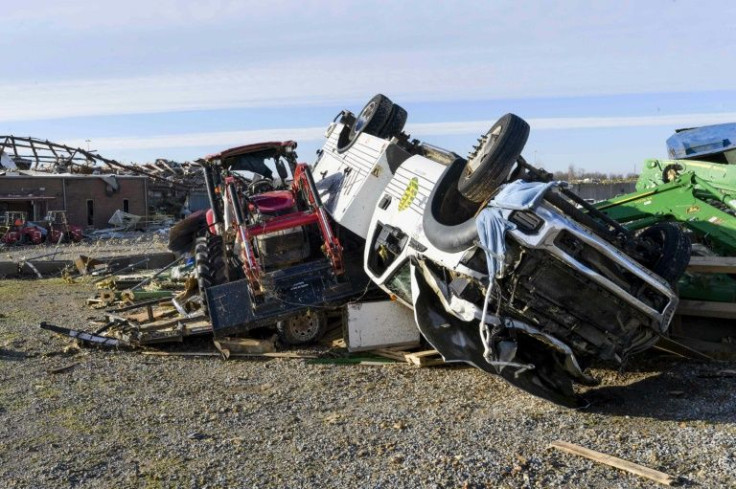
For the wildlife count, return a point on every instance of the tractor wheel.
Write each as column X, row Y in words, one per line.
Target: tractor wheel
column 302, row 328
column 209, row 262
column 491, row 161
column 675, row 248
column 371, row 120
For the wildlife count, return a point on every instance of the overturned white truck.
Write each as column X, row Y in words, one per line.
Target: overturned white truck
column 504, row 269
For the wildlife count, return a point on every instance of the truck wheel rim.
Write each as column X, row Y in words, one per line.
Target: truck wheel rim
column 363, row 118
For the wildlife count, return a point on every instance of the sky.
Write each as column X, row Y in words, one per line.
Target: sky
column 602, row 84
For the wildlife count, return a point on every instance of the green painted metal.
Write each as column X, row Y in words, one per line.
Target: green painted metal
column 716, row 287
column 700, row 205
column 658, row 172
column 698, row 194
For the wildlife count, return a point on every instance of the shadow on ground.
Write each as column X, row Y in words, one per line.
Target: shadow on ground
column 675, row 391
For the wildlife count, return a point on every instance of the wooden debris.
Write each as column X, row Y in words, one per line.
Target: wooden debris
column 707, row 309
column 84, row 264
column 712, row 264
column 229, row 346
column 426, row 358
column 670, row 345
column 391, row 354
column 130, row 296
column 150, row 315
column 619, row 463
column 138, row 305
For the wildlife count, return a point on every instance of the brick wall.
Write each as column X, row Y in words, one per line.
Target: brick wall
column 79, row 190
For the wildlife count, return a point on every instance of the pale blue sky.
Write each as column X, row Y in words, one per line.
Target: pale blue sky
column 603, row 84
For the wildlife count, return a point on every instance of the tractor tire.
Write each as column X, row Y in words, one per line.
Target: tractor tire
column 209, row 263
column 372, row 120
column 303, row 328
column 675, row 247
column 491, row 161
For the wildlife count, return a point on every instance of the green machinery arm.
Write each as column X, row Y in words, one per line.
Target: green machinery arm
column 688, row 198
column 658, row 172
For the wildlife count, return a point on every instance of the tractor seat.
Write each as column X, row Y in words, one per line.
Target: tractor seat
column 276, row 202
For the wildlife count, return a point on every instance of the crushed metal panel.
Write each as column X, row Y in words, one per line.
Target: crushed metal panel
column 382, row 324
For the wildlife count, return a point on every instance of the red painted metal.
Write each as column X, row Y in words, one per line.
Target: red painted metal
column 331, row 247
column 279, row 146
column 293, row 220
column 273, row 202
column 278, row 201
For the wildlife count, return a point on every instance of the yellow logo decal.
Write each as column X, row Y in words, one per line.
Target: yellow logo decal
column 409, row 194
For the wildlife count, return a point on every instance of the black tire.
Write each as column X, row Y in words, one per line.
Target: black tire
column 448, row 220
column 395, row 123
column 209, row 262
column 182, row 235
column 371, row 120
column 302, row 328
column 490, row 163
column 670, row 263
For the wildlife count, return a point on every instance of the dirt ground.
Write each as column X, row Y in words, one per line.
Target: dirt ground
column 123, row 419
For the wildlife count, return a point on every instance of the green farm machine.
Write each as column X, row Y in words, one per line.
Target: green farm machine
column 697, row 189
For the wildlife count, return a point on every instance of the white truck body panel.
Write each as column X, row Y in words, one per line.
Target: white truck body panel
column 350, row 183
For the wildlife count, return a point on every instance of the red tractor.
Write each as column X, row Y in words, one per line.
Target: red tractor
column 269, row 255
column 59, row 229
column 20, row 231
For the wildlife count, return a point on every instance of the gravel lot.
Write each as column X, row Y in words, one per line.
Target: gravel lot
column 122, row 419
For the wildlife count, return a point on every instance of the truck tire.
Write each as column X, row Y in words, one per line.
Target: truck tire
column 395, row 123
column 491, row 161
column 448, row 220
column 302, row 328
column 372, row 119
column 209, row 262
column 676, row 248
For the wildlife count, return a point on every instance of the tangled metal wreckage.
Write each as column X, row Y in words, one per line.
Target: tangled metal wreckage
column 170, row 182
column 501, row 266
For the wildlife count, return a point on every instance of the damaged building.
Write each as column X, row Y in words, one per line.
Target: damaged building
column 89, row 200
column 37, row 176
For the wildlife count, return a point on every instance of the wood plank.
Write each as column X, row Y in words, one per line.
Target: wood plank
column 673, row 346
column 426, row 358
column 712, row 264
column 229, row 346
column 168, row 323
column 707, row 309
column 619, row 463
column 155, row 315
column 392, row 354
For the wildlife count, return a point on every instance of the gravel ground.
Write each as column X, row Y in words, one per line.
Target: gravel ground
column 122, row 419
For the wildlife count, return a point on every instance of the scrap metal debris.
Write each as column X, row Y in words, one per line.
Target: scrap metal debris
column 82, row 336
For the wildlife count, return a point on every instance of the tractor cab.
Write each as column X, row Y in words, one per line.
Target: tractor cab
column 270, row 254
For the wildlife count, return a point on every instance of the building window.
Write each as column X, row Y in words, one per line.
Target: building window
column 90, row 212
column 126, row 207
